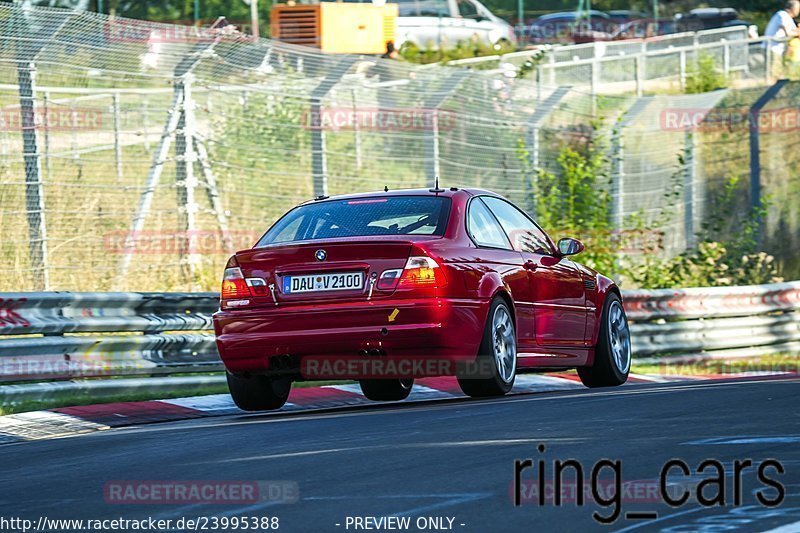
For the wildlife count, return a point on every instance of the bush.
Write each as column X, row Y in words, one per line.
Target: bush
column 703, row 76
column 461, row 50
column 574, row 201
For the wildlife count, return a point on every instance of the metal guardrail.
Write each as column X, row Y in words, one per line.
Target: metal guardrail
column 54, row 335
column 701, row 321
column 57, row 336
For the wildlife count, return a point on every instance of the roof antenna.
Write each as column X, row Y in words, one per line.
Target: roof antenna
column 436, row 185
column 385, row 188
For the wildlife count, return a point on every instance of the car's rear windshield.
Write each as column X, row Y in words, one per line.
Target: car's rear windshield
column 360, row 217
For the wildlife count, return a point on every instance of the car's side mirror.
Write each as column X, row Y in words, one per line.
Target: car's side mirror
column 570, row 246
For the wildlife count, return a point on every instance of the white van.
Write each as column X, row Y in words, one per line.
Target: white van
column 436, row 23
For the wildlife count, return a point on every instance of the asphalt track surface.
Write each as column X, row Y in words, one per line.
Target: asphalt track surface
column 446, row 459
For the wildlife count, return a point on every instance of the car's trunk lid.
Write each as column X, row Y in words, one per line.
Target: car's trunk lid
column 315, row 271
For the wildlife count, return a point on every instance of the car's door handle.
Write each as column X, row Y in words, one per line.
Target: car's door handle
column 531, row 265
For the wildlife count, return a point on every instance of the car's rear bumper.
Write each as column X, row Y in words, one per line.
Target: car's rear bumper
column 438, row 328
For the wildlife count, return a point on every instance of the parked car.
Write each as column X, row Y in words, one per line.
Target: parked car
column 621, row 16
column 461, row 278
column 563, row 26
column 440, row 22
column 708, row 18
column 648, row 27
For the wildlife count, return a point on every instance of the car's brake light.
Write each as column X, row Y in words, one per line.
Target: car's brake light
column 422, row 271
column 233, row 282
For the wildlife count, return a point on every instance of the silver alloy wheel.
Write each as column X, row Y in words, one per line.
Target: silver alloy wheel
column 504, row 343
column 619, row 336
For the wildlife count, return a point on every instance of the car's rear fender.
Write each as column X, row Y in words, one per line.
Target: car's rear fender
column 605, row 286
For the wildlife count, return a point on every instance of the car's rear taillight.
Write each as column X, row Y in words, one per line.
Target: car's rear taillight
column 420, row 272
column 423, row 272
column 233, row 282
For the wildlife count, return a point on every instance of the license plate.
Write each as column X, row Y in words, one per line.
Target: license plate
column 323, row 282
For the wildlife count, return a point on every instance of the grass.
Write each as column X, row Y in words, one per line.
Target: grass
column 82, row 399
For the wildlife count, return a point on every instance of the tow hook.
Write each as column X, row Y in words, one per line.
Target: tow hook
column 372, row 280
column 272, row 291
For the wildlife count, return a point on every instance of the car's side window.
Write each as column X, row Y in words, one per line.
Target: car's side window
column 467, row 9
column 433, row 8
column 522, row 232
column 483, row 227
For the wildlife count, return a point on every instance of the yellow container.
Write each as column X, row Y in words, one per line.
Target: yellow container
column 336, row 28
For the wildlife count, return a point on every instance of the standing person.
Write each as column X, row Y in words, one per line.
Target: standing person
column 781, row 26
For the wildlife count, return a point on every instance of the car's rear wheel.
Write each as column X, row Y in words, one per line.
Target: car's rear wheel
column 612, row 355
column 386, row 390
column 497, row 355
column 258, row 393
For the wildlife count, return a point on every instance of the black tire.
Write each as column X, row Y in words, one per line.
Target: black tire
column 482, row 386
column 606, row 371
column 386, row 390
column 258, row 393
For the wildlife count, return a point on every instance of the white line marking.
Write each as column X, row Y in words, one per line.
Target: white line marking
column 650, row 377
column 536, row 383
column 776, row 439
column 213, row 403
column 352, row 387
column 421, row 392
column 417, row 445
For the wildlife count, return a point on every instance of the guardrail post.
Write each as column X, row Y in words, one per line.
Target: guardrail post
column 755, row 153
column 768, row 60
column 34, row 189
column 689, row 188
column 356, row 129
column 618, row 164
column 538, row 83
column 532, row 141
column 117, row 140
column 433, row 105
column 319, row 160
column 187, row 182
column 145, row 128
column 46, row 128
column 639, row 74
column 617, row 179
column 594, row 83
column 726, row 58
column 683, row 70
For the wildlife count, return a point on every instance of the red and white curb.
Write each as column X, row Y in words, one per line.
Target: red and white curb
column 66, row 421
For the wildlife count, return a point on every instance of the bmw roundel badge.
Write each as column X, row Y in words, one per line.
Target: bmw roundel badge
column 321, row 255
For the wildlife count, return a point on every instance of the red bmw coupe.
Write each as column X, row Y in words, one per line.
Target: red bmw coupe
column 452, row 282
